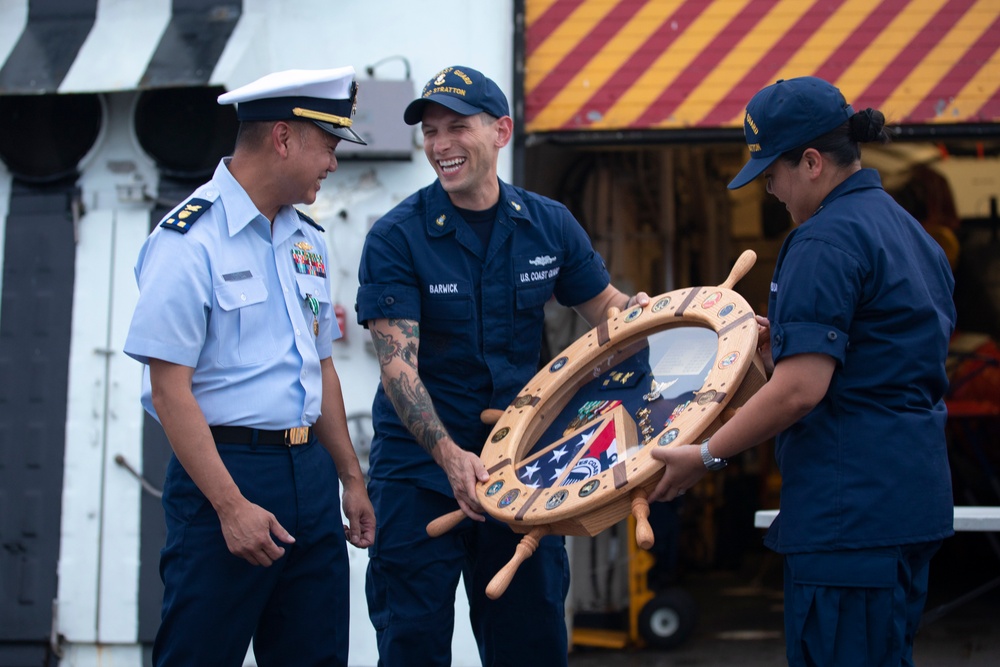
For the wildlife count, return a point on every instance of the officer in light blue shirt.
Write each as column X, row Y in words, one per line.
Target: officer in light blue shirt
column 234, row 324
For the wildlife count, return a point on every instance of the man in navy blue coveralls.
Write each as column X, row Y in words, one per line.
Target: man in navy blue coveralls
column 859, row 319
column 234, row 322
column 452, row 285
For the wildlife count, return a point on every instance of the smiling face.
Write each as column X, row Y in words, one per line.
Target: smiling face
column 463, row 151
column 314, row 158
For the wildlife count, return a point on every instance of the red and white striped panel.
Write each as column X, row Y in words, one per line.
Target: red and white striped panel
column 671, row 64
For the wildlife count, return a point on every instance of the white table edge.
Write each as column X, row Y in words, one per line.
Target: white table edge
column 967, row 518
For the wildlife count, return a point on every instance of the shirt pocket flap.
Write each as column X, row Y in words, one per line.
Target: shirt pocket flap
column 452, row 307
column 239, row 294
column 534, row 296
column 314, row 286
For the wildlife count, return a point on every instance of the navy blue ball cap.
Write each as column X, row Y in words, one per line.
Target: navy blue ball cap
column 785, row 116
column 327, row 97
column 463, row 90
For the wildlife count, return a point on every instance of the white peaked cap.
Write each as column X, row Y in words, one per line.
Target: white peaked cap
column 322, row 83
column 328, row 97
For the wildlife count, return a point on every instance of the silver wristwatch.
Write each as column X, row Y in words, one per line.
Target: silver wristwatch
column 711, row 462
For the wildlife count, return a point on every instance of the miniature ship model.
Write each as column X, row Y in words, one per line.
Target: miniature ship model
column 571, row 455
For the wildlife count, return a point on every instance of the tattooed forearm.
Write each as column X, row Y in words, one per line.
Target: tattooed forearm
column 400, row 339
column 409, row 328
column 389, row 347
column 415, row 410
column 386, row 347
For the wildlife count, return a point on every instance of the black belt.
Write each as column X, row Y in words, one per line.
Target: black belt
column 243, row 435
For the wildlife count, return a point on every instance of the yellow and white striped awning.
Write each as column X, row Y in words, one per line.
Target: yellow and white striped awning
column 672, row 64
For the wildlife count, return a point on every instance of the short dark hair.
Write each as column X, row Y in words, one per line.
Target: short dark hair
column 252, row 133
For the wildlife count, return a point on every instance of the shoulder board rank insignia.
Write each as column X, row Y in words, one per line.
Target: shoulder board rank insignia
column 309, row 220
column 182, row 219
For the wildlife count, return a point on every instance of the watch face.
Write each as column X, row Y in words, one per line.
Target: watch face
column 579, row 435
column 711, row 462
column 717, row 464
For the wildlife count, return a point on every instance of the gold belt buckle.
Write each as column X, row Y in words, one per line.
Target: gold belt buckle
column 297, row 436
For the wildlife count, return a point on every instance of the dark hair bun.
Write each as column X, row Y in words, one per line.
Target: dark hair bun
column 868, row 125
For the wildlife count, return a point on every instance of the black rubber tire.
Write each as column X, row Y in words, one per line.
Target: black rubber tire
column 668, row 620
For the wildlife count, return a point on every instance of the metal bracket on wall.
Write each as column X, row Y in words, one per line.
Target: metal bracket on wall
column 77, row 211
column 146, row 485
column 55, row 637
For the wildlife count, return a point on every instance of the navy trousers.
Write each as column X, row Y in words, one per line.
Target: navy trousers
column 412, row 579
column 858, row 608
column 297, row 610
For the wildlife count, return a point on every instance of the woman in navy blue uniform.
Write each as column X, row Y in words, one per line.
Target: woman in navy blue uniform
column 859, row 319
column 452, row 285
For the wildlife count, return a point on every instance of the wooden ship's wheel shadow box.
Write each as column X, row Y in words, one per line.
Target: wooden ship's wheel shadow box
column 571, row 455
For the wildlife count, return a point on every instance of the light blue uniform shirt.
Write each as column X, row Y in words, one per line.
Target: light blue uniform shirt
column 231, row 299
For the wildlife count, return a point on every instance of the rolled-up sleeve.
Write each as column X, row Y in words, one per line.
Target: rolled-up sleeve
column 584, row 273
column 388, row 288
column 819, row 287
